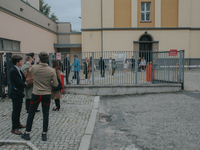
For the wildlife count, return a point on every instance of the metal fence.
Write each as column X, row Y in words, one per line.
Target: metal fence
column 2, row 76
column 112, row 67
column 158, row 67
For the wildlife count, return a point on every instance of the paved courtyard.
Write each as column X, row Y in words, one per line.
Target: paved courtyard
column 66, row 127
column 168, row 121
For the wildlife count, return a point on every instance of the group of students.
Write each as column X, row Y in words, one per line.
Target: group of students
column 34, row 82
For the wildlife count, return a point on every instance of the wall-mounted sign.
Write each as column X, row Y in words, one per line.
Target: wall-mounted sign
column 173, row 52
column 119, row 56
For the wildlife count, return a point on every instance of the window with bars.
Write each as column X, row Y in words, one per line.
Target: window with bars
column 146, row 11
column 9, row 45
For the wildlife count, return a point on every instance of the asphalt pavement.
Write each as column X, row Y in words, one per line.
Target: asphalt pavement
column 148, row 122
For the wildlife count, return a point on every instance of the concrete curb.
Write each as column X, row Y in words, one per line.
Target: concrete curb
column 20, row 142
column 85, row 141
column 107, row 90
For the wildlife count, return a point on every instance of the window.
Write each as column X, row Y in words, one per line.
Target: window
column 9, row 45
column 145, row 11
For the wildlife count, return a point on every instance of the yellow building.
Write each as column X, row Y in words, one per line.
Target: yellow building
column 134, row 25
column 107, row 25
column 23, row 28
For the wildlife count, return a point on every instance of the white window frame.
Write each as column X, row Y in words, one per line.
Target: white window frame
column 145, row 11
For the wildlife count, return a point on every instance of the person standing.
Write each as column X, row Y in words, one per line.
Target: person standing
column 102, row 67
column 85, row 71
column 44, row 79
column 76, row 65
column 28, row 90
column 17, row 84
column 114, row 66
column 56, row 95
column 139, row 64
column 143, row 64
column 125, row 65
column 32, row 55
column 110, row 65
column 133, row 63
column 90, row 68
column 29, row 78
column 67, row 67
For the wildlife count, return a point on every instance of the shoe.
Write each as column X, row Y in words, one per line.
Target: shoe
column 21, row 126
column 44, row 137
column 55, row 108
column 37, row 111
column 25, row 136
column 16, row 131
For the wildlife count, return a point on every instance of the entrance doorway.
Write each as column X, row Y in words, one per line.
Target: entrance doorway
column 145, row 48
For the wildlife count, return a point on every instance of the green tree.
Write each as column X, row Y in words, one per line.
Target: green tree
column 54, row 17
column 46, row 9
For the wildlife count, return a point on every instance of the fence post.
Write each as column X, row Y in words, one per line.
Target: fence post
column 1, row 73
column 8, row 61
column 183, row 69
column 50, row 58
column 180, row 67
column 136, row 65
column 92, row 68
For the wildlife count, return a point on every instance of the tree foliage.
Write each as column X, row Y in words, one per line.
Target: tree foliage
column 46, row 9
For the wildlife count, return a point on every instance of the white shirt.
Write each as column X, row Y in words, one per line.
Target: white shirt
column 19, row 71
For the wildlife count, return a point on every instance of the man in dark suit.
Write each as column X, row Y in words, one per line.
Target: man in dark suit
column 133, row 64
column 85, row 71
column 102, row 67
column 67, row 67
column 17, row 84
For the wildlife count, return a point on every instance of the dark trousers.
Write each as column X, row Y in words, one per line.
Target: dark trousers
column 143, row 67
column 76, row 76
column 67, row 76
column 133, row 67
column 27, row 104
column 57, row 102
column 103, row 72
column 17, row 106
column 36, row 99
column 86, row 74
column 113, row 71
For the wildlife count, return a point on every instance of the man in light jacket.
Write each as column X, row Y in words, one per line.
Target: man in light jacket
column 44, row 79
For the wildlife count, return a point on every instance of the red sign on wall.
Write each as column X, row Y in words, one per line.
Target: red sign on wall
column 58, row 56
column 173, row 52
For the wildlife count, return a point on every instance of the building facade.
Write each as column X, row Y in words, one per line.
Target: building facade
column 23, row 28
column 136, row 25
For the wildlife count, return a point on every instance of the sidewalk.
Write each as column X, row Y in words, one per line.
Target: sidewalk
column 66, row 127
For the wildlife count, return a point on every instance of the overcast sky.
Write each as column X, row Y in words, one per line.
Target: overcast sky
column 67, row 11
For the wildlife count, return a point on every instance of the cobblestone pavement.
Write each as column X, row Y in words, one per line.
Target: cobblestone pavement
column 66, row 127
column 14, row 147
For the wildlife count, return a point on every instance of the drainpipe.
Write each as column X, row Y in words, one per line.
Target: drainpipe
column 57, row 38
column 57, row 35
column 101, row 28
